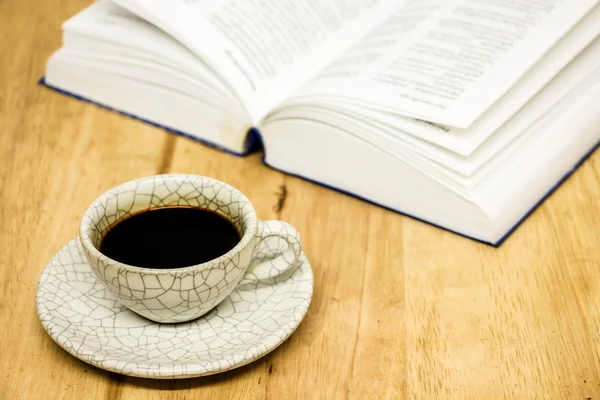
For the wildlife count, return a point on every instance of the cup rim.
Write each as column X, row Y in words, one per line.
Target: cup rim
column 250, row 221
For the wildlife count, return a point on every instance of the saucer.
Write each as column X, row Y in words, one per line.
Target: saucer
column 88, row 322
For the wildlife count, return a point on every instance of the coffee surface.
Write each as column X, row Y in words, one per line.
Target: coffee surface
column 172, row 237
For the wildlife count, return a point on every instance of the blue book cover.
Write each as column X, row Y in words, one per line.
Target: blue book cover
column 254, row 143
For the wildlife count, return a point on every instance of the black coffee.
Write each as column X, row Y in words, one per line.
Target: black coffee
column 172, row 237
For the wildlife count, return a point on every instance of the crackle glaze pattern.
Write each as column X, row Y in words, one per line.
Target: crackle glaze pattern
column 181, row 294
column 86, row 320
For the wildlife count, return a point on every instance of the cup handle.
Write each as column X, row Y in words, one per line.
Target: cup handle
column 282, row 262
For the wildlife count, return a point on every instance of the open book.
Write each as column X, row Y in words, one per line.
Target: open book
column 464, row 114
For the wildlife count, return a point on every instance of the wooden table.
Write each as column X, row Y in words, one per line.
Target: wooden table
column 400, row 309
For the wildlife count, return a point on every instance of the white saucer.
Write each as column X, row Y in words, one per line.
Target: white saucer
column 90, row 324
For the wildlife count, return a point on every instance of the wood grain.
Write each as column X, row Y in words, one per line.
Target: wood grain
column 401, row 309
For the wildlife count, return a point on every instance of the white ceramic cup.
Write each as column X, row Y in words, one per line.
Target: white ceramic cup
column 181, row 294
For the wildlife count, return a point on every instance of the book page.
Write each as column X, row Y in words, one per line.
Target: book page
column 377, row 43
column 568, row 53
column 458, row 60
column 121, row 39
column 264, row 48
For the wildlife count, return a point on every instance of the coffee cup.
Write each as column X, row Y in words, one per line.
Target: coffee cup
column 168, row 292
